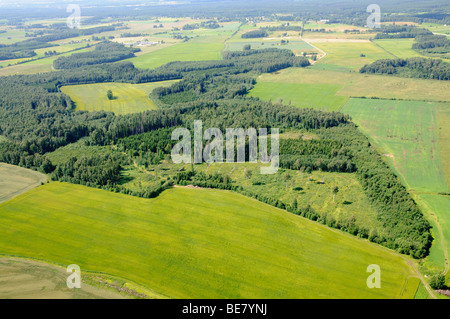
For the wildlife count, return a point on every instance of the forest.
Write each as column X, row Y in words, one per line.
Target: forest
column 105, row 52
column 422, row 68
column 400, row 32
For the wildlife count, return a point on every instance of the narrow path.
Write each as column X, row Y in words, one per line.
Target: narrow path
column 323, row 52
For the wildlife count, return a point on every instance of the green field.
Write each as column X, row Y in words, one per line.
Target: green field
column 198, row 49
column 264, row 44
column 320, row 96
column 353, row 85
column 128, row 98
column 401, row 48
column 192, row 243
column 443, row 121
column 16, row 180
column 347, row 55
column 407, row 132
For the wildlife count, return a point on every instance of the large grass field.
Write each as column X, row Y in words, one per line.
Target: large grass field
column 407, row 132
column 347, row 55
column 16, row 180
column 331, row 88
column 258, row 44
column 443, row 121
column 401, row 48
column 197, row 243
column 198, row 49
column 307, row 95
column 128, row 98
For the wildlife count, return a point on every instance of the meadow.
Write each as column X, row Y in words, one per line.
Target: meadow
column 295, row 45
column 407, row 133
column 401, row 48
column 180, row 246
column 347, row 84
column 127, row 98
column 307, row 95
column 348, row 55
column 16, row 180
column 197, row 49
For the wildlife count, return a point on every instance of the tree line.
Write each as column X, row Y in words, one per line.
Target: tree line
column 422, row 68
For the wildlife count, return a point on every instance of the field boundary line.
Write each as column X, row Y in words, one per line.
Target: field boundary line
column 371, row 40
column 324, row 53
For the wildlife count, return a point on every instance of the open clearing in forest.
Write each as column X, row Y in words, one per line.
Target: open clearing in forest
column 128, row 98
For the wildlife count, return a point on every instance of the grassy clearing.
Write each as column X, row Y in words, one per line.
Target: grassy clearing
column 128, row 98
column 438, row 28
column 266, row 44
column 205, row 48
column 408, row 133
column 12, row 36
column 362, row 85
column 63, row 154
column 16, row 180
column 443, row 121
column 401, row 48
column 320, row 96
column 192, row 243
column 437, row 208
column 348, row 54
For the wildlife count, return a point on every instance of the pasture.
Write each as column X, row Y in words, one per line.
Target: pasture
column 359, row 85
column 407, row 133
column 306, row 95
column 443, row 122
column 128, row 98
column 349, row 55
column 295, row 45
column 197, row 243
column 16, row 180
column 401, row 48
column 198, row 49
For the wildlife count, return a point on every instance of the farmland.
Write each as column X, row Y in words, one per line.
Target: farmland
column 203, row 48
column 401, row 48
column 16, row 180
column 331, row 89
column 363, row 176
column 208, row 255
column 348, row 55
column 128, row 98
column 321, row 96
column 407, row 132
